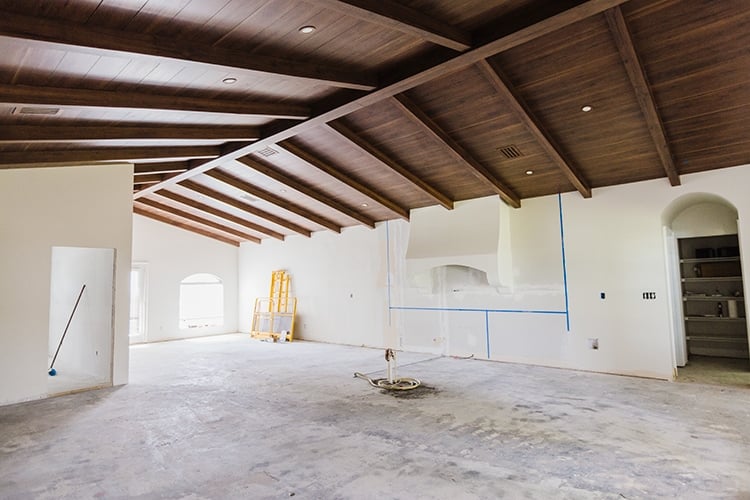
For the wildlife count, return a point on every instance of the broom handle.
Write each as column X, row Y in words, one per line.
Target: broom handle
column 67, row 326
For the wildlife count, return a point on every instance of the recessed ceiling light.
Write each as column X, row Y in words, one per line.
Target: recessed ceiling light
column 586, row 108
column 229, row 80
column 365, row 205
column 529, row 172
column 307, row 29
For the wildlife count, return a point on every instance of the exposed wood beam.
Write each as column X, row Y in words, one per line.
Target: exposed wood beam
column 72, row 133
column 643, row 93
column 220, row 213
column 200, row 220
column 228, row 200
column 147, row 179
column 96, row 40
column 272, row 198
column 306, row 190
column 161, row 167
column 393, row 15
column 187, row 227
column 51, row 96
column 21, row 159
column 526, row 30
column 458, row 152
column 503, row 86
column 332, row 171
column 365, row 146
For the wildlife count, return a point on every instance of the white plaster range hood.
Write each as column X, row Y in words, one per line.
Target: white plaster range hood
column 475, row 235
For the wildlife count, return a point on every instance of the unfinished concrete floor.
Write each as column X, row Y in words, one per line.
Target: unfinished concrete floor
column 228, row 417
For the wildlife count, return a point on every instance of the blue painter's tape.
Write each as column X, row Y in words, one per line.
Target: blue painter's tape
column 564, row 265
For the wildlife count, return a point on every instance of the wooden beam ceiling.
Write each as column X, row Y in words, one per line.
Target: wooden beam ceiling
column 76, row 133
column 160, row 167
column 526, row 30
column 187, row 227
column 343, row 178
column 232, row 202
column 53, row 96
column 200, row 220
column 306, row 190
column 369, row 149
column 272, row 198
column 219, row 213
column 393, row 15
column 96, row 40
column 21, row 159
column 643, row 92
column 514, row 100
column 458, row 152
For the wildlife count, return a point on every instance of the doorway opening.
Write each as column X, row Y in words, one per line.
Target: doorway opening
column 81, row 332
column 710, row 330
column 138, row 303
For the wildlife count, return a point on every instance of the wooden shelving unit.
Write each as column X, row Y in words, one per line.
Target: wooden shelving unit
column 712, row 295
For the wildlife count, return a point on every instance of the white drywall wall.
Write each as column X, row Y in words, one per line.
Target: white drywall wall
column 339, row 280
column 172, row 254
column 87, row 346
column 41, row 208
column 614, row 243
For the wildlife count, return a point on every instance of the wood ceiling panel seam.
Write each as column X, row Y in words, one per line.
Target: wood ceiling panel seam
column 184, row 200
column 78, row 156
column 73, row 133
column 363, row 145
column 187, row 227
column 232, row 202
column 459, row 153
column 345, row 179
column 527, row 31
column 504, row 87
column 197, row 219
column 305, row 189
column 99, row 39
column 28, row 94
column 396, row 16
column 644, row 94
column 272, row 198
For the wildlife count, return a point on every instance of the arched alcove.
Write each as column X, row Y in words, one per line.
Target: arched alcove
column 706, row 278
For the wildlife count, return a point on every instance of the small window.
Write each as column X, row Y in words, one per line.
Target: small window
column 201, row 301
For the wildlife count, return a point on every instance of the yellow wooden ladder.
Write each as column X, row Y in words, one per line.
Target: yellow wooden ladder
column 273, row 316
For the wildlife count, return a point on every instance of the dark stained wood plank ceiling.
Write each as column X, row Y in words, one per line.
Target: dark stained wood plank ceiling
column 242, row 127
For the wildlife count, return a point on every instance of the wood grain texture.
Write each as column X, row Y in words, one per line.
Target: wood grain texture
column 233, row 202
column 272, row 198
column 200, row 220
column 642, row 88
column 57, row 96
column 151, row 214
column 458, row 152
column 203, row 207
column 393, row 15
column 77, row 133
column 321, row 165
column 98, row 39
column 389, row 162
column 544, row 139
column 306, row 190
column 73, row 156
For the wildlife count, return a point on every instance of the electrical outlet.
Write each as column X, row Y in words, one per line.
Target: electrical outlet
column 649, row 295
column 602, row 295
column 593, row 344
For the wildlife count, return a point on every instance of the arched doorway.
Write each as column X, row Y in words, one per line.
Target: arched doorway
column 706, row 282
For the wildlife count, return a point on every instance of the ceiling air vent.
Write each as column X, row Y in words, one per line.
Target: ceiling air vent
column 266, row 152
column 510, row 152
column 36, row 111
